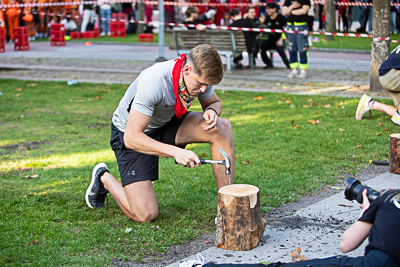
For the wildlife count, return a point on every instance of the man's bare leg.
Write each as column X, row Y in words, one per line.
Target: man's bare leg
column 387, row 109
column 138, row 200
column 191, row 131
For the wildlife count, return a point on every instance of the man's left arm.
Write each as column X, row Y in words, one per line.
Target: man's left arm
column 212, row 109
column 301, row 11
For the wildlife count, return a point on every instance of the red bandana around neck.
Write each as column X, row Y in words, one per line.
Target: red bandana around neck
column 180, row 109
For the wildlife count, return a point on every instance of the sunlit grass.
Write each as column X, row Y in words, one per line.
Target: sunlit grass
column 60, row 132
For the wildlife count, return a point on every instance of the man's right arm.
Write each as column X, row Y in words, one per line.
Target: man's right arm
column 136, row 139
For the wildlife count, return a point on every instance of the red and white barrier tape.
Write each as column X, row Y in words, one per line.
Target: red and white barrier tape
column 169, row 3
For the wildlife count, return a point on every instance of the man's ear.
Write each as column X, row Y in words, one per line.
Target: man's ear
column 187, row 69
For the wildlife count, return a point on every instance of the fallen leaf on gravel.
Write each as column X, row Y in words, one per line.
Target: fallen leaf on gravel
column 296, row 256
column 359, row 146
column 206, row 242
column 258, row 98
column 343, row 205
column 288, row 102
column 297, row 127
column 247, row 162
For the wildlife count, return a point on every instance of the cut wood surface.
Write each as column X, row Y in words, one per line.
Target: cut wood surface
column 240, row 224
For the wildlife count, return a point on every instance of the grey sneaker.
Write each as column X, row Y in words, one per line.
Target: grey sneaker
column 363, row 106
column 292, row 74
column 396, row 118
column 302, row 75
column 96, row 193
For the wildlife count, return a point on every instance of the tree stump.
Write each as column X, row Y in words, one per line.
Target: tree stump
column 394, row 153
column 240, row 224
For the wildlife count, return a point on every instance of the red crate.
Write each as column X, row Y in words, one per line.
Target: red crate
column 146, row 37
column 90, row 34
column 57, row 27
column 117, row 29
column 57, row 42
column 20, row 31
column 2, row 47
column 57, row 34
column 119, row 17
column 75, row 35
column 2, row 32
column 21, row 47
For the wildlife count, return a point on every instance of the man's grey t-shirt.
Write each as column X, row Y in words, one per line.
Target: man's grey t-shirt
column 151, row 94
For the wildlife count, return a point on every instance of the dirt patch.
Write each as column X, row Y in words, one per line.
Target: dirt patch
column 26, row 146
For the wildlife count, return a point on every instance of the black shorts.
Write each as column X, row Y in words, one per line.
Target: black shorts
column 134, row 166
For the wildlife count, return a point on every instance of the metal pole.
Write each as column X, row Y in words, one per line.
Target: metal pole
column 160, row 31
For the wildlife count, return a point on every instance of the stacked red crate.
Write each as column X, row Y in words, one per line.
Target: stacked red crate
column 57, row 34
column 21, row 38
column 117, row 29
column 2, row 40
column 118, row 25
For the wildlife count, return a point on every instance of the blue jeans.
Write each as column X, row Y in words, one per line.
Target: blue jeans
column 375, row 258
column 393, row 22
column 298, row 46
column 105, row 19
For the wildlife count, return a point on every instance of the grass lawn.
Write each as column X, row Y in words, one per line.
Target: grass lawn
column 351, row 43
column 287, row 145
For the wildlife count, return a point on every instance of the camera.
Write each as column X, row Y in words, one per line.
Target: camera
column 355, row 189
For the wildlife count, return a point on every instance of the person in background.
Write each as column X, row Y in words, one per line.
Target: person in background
column 274, row 21
column 105, row 15
column 249, row 36
column 393, row 16
column 69, row 24
column 389, row 77
column 89, row 12
column 297, row 17
column 192, row 19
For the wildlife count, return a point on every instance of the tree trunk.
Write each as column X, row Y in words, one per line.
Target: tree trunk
column 330, row 23
column 394, row 153
column 240, row 224
column 141, row 8
column 380, row 49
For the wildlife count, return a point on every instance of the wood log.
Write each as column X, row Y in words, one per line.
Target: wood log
column 394, row 153
column 240, row 224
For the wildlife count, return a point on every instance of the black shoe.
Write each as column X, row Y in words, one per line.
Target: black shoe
column 96, row 192
column 238, row 66
column 269, row 66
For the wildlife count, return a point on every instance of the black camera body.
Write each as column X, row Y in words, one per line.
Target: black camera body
column 355, row 189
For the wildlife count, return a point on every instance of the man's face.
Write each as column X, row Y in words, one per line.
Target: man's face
column 271, row 11
column 194, row 83
column 252, row 13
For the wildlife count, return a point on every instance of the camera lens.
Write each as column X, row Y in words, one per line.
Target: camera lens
column 355, row 189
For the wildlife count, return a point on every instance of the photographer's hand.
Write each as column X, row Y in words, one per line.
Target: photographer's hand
column 365, row 204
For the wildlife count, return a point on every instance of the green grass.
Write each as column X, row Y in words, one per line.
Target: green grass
column 350, row 43
column 60, row 132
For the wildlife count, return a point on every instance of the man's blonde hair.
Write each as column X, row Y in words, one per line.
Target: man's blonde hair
column 207, row 63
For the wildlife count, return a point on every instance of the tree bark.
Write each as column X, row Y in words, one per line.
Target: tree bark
column 141, row 10
column 330, row 24
column 380, row 49
column 394, row 153
column 240, row 225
